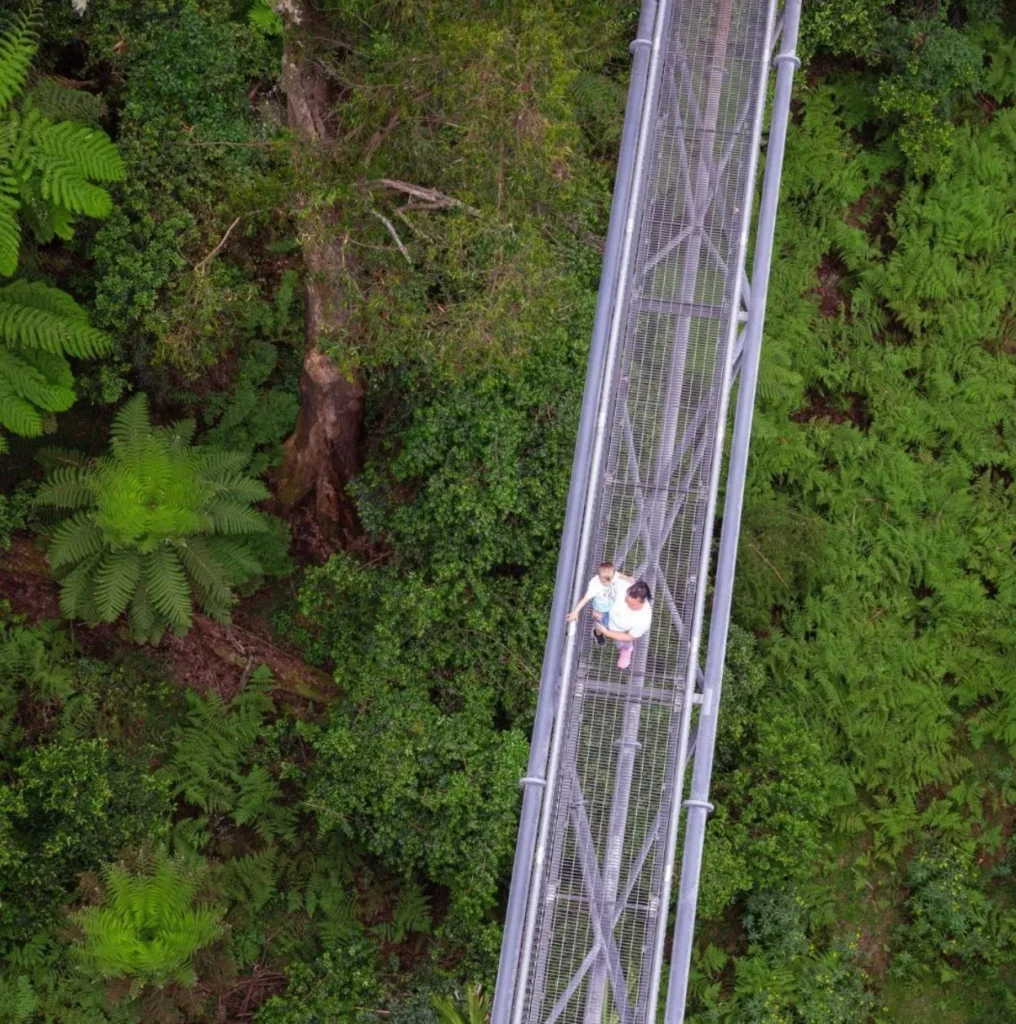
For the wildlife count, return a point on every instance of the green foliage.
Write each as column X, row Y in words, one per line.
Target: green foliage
column 256, row 416
column 951, row 918
column 474, row 1009
column 928, row 62
column 785, row 975
column 522, row 185
column 773, row 792
column 148, row 928
column 338, row 986
column 49, row 170
column 15, row 510
column 200, row 154
column 156, row 524
column 215, row 765
column 485, row 461
column 415, row 740
column 69, row 797
column 876, row 570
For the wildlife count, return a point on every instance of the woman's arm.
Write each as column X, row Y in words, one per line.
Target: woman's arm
column 614, row 634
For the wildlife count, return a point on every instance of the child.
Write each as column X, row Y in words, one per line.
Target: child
column 603, row 591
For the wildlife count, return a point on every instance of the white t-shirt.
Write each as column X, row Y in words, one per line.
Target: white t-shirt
column 604, row 595
column 625, row 619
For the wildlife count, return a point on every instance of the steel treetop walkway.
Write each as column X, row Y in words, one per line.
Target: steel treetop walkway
column 677, row 320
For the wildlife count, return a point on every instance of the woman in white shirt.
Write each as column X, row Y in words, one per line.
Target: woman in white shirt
column 630, row 617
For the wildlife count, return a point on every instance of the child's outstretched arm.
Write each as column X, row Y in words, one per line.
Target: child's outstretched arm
column 574, row 613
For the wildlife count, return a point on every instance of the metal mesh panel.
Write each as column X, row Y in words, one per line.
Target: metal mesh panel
column 599, row 903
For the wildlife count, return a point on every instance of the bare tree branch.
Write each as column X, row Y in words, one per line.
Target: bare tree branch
column 435, row 200
column 395, row 235
column 199, row 268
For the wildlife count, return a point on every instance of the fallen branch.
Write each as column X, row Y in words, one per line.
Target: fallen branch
column 199, row 268
column 435, row 200
column 395, row 235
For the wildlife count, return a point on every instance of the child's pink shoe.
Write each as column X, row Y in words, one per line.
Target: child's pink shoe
column 624, row 658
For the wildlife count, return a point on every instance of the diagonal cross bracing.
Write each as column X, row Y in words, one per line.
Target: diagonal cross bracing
column 587, row 912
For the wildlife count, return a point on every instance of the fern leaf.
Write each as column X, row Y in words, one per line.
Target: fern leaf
column 217, row 464
column 10, row 226
column 75, row 590
column 167, row 587
column 83, row 151
column 132, row 422
column 16, row 414
column 29, row 382
column 235, row 556
column 142, row 616
column 237, row 487
column 115, row 582
column 65, row 488
column 18, row 45
column 234, row 517
column 60, row 103
column 207, row 574
column 36, row 316
column 62, row 185
column 74, row 539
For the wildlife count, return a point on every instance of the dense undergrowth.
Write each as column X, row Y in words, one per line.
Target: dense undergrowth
column 259, row 847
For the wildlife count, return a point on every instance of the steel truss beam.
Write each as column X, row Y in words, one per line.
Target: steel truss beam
column 608, row 759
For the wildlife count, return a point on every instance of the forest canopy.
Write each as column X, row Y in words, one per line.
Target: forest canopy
column 295, row 306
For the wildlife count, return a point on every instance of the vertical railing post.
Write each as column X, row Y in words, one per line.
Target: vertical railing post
column 567, row 566
column 697, row 804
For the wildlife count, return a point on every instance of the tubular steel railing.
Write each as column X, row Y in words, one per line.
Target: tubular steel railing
column 587, row 913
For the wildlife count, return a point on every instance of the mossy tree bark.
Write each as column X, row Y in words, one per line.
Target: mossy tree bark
column 325, row 450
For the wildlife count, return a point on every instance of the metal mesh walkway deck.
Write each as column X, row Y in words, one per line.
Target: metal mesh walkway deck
column 588, row 910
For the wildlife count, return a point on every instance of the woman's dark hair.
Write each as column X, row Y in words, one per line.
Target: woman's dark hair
column 640, row 591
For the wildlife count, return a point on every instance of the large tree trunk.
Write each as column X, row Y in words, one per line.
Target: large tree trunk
column 325, row 450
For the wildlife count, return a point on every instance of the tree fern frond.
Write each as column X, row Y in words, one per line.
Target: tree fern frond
column 235, row 556
column 132, row 421
column 167, row 587
column 60, row 103
column 116, row 581
column 207, row 573
column 16, row 414
column 74, row 539
column 66, row 488
column 29, row 382
column 63, row 186
column 36, row 316
column 81, row 153
column 235, row 517
column 182, row 432
column 18, row 46
column 10, row 226
column 75, row 589
column 237, row 487
column 142, row 616
column 217, row 464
